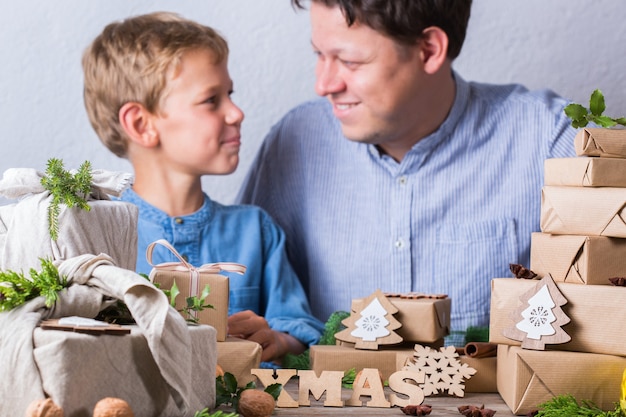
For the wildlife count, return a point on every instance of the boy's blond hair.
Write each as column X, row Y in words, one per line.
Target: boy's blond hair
column 131, row 61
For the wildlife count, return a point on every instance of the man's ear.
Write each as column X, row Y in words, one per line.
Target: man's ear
column 433, row 48
column 137, row 123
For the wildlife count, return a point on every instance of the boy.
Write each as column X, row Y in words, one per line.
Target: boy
column 157, row 91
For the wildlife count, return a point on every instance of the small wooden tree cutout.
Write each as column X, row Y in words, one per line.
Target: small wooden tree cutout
column 442, row 368
column 539, row 319
column 372, row 325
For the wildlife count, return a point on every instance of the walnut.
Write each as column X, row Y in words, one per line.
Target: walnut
column 255, row 403
column 44, row 408
column 112, row 407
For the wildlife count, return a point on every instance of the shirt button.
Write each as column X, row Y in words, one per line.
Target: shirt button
column 402, row 180
column 399, row 243
column 178, row 220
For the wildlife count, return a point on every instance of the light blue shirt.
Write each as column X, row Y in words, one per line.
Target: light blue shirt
column 452, row 215
column 236, row 233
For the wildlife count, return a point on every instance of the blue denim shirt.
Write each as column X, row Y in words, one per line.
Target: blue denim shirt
column 236, row 233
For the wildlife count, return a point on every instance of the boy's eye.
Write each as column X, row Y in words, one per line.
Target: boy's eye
column 211, row 100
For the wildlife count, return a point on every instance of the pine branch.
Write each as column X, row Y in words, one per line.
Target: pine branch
column 65, row 188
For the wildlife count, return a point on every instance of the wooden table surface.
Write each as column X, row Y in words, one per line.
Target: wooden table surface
column 442, row 406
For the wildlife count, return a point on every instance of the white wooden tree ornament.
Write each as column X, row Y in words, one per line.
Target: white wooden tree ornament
column 372, row 325
column 539, row 319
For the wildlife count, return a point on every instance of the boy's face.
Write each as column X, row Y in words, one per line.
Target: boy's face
column 198, row 124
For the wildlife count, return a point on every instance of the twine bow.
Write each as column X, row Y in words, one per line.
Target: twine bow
column 184, row 266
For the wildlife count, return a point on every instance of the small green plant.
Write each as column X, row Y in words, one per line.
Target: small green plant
column 581, row 116
column 65, row 188
column 228, row 392
column 205, row 413
column 16, row 288
column 566, row 405
column 193, row 303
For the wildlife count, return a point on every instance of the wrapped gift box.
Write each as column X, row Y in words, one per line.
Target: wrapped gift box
column 217, row 316
column 585, row 172
column 576, row 259
column 239, row 356
column 108, row 227
column 77, row 370
column 603, row 142
column 596, row 312
column 527, row 378
column 589, row 211
column 390, row 360
column 424, row 320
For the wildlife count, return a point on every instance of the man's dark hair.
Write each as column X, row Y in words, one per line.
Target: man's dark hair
column 405, row 20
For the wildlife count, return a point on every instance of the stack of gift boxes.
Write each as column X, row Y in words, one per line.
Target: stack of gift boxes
column 423, row 320
column 582, row 246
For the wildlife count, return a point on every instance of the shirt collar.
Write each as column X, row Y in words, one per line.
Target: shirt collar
column 155, row 215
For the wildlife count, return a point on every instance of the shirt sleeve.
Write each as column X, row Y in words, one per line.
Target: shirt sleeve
column 286, row 305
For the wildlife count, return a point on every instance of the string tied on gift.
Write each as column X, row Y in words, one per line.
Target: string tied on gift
column 184, row 266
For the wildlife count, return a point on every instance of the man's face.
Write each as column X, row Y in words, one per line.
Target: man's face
column 373, row 84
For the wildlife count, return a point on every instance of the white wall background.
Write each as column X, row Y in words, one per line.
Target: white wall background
column 570, row 46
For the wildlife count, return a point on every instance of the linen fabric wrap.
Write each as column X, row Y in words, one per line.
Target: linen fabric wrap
column 94, row 284
column 109, row 227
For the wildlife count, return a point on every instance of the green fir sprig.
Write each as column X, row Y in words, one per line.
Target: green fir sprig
column 567, row 405
column 65, row 188
column 581, row 116
column 16, row 289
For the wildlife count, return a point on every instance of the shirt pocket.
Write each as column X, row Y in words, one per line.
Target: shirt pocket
column 244, row 298
column 468, row 256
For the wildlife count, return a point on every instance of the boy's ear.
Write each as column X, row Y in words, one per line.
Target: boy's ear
column 137, row 123
column 433, row 48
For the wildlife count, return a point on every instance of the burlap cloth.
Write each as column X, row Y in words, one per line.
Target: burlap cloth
column 109, row 227
column 96, row 252
column 95, row 282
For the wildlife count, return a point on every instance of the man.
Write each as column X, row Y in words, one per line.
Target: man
column 407, row 177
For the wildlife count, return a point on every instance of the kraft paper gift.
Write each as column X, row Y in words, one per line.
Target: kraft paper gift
column 527, row 378
column 343, row 358
column 585, row 172
column 424, row 320
column 390, row 360
column 77, row 370
column 608, row 143
column 239, row 356
column 191, row 282
column 109, row 227
column 590, row 260
column 589, row 211
column 597, row 315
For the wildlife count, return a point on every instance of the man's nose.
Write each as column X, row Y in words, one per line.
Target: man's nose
column 328, row 80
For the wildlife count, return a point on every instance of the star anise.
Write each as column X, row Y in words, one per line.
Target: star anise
column 475, row 411
column 416, row 410
column 522, row 272
column 618, row 281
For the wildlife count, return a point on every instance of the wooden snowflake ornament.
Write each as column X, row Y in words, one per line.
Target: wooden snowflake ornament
column 371, row 325
column 442, row 368
column 539, row 319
